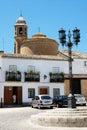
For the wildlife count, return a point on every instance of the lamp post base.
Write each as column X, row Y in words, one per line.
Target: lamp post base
column 71, row 101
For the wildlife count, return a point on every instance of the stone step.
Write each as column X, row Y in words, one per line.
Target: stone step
column 61, row 117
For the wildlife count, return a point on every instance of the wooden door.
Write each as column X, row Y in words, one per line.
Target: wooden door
column 76, row 84
column 8, row 100
column 19, row 95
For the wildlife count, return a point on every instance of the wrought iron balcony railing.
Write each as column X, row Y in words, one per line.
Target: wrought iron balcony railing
column 56, row 77
column 13, row 76
column 32, row 76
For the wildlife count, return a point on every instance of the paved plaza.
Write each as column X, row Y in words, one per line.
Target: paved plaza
column 19, row 119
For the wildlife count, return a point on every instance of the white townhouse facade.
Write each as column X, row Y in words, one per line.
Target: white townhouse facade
column 38, row 67
column 28, row 76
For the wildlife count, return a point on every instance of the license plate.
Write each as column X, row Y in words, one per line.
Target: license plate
column 47, row 102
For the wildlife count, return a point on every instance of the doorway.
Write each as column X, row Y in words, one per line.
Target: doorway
column 14, row 95
column 8, row 95
column 76, row 84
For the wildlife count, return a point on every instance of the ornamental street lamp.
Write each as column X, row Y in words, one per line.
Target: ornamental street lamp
column 69, row 44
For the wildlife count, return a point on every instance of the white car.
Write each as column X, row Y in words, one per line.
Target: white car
column 41, row 101
column 80, row 99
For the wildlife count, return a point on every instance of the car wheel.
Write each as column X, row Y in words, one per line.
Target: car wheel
column 84, row 104
column 51, row 107
column 32, row 106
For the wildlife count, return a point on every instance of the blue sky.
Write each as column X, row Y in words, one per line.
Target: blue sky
column 48, row 15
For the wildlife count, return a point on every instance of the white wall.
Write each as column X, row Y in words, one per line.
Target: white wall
column 43, row 66
column 37, row 85
column 78, row 66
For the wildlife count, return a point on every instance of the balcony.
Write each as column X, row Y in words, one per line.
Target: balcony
column 13, row 76
column 32, row 76
column 56, row 77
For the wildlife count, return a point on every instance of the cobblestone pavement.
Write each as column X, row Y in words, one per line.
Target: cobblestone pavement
column 16, row 118
column 19, row 119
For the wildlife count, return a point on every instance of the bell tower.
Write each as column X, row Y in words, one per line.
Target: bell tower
column 20, row 33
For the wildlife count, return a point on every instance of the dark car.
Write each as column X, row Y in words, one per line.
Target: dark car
column 61, row 100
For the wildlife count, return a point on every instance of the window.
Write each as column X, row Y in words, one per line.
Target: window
column 56, row 92
column 31, row 93
column 85, row 63
column 20, row 31
column 13, row 68
column 31, row 68
column 55, row 69
column 44, row 90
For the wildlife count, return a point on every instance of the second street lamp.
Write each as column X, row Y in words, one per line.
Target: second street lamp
column 69, row 44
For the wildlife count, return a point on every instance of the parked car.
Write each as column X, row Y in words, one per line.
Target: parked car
column 60, row 101
column 41, row 101
column 80, row 99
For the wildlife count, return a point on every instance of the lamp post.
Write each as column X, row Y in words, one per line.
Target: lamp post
column 69, row 44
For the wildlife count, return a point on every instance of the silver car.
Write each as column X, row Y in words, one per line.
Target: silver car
column 80, row 99
column 41, row 101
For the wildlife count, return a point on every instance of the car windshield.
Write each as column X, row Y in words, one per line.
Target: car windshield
column 45, row 97
column 62, row 97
